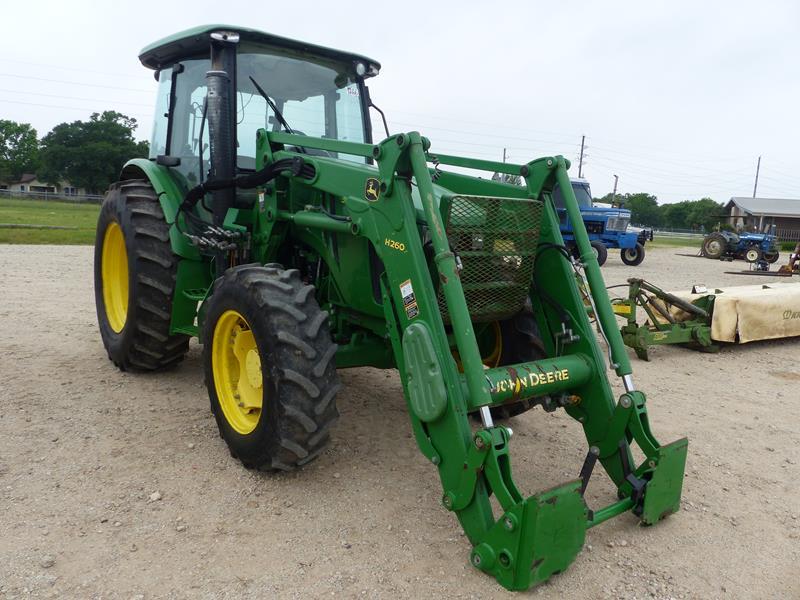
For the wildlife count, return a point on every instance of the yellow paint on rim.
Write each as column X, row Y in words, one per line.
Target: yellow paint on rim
column 236, row 368
column 114, row 273
column 493, row 359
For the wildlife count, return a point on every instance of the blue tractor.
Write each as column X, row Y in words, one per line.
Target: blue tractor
column 750, row 246
column 607, row 227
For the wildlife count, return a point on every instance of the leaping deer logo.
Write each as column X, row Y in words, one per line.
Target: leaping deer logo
column 372, row 190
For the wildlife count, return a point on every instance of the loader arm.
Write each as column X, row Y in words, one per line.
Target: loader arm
column 538, row 535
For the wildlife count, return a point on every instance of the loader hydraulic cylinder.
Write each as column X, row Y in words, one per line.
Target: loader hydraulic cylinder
column 605, row 316
column 512, row 383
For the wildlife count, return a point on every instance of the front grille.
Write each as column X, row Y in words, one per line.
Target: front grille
column 496, row 240
column 618, row 224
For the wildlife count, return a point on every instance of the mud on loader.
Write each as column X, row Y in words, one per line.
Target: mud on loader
column 269, row 224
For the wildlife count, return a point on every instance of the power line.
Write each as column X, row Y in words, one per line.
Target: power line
column 77, row 69
column 85, row 110
column 656, row 173
column 472, row 123
column 97, row 85
column 76, row 98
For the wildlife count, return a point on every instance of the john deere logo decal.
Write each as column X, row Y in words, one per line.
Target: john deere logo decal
column 372, row 189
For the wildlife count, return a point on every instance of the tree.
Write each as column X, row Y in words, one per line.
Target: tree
column 643, row 207
column 19, row 150
column 90, row 154
column 676, row 215
column 705, row 214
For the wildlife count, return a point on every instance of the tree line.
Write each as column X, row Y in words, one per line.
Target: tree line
column 88, row 154
column 704, row 214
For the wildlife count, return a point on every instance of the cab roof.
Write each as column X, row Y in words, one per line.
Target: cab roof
column 195, row 41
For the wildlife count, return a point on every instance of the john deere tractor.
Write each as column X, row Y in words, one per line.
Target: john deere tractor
column 269, row 223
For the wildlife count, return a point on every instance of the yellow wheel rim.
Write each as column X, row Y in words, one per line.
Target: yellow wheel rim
column 236, row 367
column 493, row 359
column 114, row 271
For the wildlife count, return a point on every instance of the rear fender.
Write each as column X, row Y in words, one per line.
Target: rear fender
column 170, row 190
column 194, row 275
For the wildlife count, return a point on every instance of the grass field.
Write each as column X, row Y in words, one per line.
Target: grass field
column 81, row 217
column 669, row 242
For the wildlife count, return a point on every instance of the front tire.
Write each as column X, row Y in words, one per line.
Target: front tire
column 752, row 254
column 134, row 280
column 269, row 367
column 633, row 256
column 772, row 257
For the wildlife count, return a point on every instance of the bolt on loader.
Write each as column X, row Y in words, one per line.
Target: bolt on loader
column 269, row 223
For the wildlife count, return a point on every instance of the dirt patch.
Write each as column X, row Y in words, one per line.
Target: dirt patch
column 117, row 485
column 788, row 375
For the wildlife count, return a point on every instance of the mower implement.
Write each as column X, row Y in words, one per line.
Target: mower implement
column 703, row 319
column 293, row 253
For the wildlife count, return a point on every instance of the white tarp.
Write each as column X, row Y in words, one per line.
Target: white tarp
column 748, row 313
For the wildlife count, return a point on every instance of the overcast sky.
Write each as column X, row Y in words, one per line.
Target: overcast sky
column 677, row 98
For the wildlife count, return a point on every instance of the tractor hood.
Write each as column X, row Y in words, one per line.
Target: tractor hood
column 603, row 212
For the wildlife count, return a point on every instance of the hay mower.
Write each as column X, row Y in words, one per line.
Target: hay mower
column 270, row 225
column 704, row 318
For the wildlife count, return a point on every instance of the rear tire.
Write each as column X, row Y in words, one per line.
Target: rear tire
column 269, row 367
column 714, row 246
column 600, row 252
column 134, row 280
column 771, row 257
column 633, row 256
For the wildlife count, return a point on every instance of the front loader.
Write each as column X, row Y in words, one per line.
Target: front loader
column 270, row 225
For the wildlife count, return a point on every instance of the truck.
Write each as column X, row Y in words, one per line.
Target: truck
column 608, row 227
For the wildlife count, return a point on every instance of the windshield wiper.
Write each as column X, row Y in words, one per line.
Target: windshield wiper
column 272, row 105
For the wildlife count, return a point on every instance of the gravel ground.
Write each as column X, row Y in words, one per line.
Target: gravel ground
column 116, row 485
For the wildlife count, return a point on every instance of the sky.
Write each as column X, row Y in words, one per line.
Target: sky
column 678, row 99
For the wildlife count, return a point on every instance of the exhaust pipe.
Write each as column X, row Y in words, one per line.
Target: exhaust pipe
column 221, row 114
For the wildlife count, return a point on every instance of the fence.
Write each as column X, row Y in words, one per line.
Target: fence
column 788, row 235
column 59, row 197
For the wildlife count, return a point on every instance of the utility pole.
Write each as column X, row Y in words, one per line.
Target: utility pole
column 503, row 176
column 580, row 160
column 758, row 168
column 614, row 193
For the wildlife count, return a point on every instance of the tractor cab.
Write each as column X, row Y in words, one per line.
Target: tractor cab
column 315, row 91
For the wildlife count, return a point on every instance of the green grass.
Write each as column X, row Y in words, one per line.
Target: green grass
column 39, row 212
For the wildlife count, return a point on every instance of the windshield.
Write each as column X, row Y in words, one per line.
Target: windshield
column 316, row 99
column 582, row 194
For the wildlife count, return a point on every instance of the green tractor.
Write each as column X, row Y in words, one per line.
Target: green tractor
column 269, row 224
